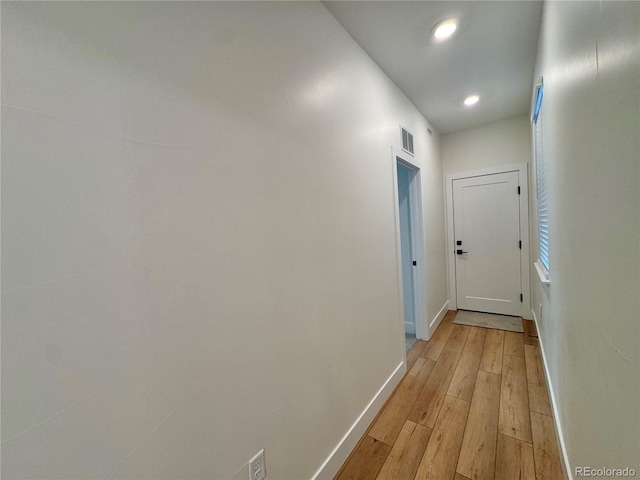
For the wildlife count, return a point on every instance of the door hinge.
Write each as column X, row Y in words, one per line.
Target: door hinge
column 415, row 263
column 520, row 297
column 518, row 189
column 520, row 244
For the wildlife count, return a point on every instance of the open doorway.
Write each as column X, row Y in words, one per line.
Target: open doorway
column 405, row 214
column 411, row 258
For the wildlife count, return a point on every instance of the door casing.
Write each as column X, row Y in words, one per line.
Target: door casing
column 522, row 169
column 405, row 177
column 417, row 240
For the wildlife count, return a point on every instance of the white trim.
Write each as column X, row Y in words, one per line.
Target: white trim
column 423, row 331
column 554, row 404
column 523, row 177
column 438, row 318
column 534, row 98
column 396, row 213
column 543, row 273
column 337, row 457
column 487, row 171
column 451, row 261
column 525, row 255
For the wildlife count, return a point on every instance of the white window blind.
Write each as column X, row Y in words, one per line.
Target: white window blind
column 541, row 188
column 541, row 178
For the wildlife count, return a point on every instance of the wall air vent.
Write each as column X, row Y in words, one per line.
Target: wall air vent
column 407, row 140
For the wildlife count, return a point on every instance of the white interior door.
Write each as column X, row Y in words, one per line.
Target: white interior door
column 486, row 217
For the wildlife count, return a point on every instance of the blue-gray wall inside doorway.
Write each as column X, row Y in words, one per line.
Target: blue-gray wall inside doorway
column 404, row 204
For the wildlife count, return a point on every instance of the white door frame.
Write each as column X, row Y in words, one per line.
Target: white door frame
column 524, row 230
column 399, row 156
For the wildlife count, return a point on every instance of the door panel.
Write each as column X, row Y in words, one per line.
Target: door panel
column 486, row 212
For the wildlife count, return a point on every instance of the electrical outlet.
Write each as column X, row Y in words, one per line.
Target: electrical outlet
column 257, row 467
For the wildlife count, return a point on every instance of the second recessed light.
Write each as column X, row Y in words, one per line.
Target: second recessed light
column 471, row 100
column 445, row 29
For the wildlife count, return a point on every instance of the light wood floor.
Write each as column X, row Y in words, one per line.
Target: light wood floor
column 474, row 405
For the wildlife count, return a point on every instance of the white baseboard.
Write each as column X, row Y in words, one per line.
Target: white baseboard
column 339, row 454
column 554, row 405
column 438, row 318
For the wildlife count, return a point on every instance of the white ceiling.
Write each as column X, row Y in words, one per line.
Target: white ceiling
column 492, row 53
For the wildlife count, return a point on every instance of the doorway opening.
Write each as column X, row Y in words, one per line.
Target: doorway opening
column 405, row 175
column 410, row 241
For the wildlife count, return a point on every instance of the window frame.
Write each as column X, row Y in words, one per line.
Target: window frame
column 542, row 264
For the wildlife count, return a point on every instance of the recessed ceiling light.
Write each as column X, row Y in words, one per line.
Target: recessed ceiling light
column 445, row 29
column 471, row 100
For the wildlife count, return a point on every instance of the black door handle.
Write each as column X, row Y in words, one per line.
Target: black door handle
column 460, row 252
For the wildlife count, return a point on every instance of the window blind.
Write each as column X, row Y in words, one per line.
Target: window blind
column 541, row 189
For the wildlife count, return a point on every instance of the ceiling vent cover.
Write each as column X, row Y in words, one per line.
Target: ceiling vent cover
column 407, row 140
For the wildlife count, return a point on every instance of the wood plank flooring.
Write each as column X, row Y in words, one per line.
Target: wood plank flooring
column 473, row 406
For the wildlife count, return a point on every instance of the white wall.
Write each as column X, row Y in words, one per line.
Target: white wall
column 435, row 239
column 199, row 254
column 589, row 55
column 503, row 143
column 506, row 142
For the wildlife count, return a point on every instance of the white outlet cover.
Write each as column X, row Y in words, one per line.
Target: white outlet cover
column 257, row 466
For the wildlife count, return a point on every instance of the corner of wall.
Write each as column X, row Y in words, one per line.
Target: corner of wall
column 345, row 446
column 438, row 318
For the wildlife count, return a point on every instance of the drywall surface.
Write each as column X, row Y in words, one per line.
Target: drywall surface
column 503, row 143
column 433, row 211
column 199, row 247
column 589, row 316
column 506, row 142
